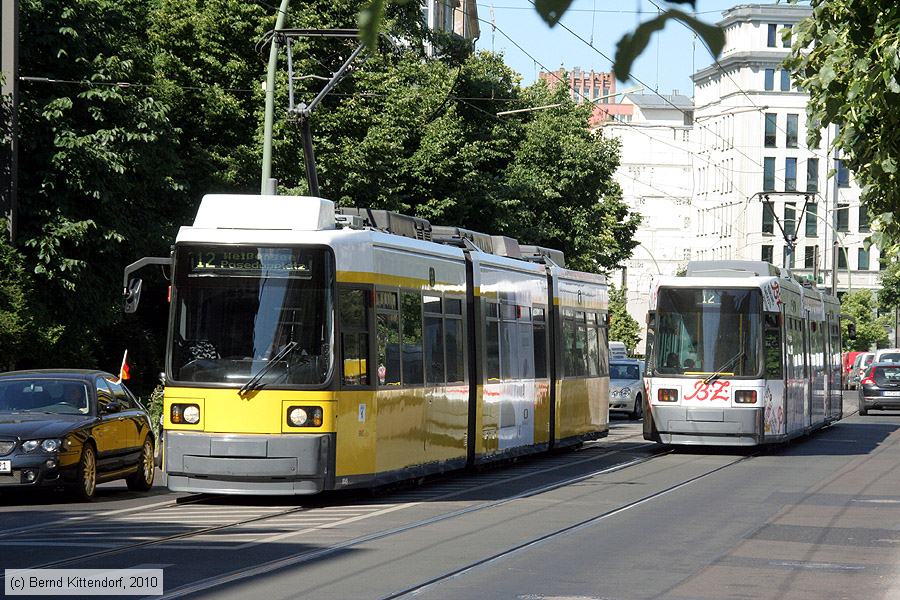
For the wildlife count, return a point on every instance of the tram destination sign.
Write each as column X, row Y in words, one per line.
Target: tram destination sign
column 250, row 262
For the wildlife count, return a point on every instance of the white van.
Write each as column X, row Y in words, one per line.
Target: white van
column 887, row 355
column 618, row 350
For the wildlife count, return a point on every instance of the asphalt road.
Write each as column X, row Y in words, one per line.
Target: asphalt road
column 619, row 519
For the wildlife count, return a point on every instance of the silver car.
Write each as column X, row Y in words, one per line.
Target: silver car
column 626, row 388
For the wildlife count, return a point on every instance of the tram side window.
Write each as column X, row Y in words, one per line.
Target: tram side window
column 509, row 343
column 388, row 339
column 434, row 341
column 593, row 354
column 774, row 354
column 539, row 340
column 603, row 343
column 354, row 336
column 492, row 343
column 456, row 368
column 411, row 309
column 568, row 350
column 581, row 345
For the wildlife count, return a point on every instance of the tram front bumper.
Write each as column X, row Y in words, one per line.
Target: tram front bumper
column 249, row 464
column 709, row 427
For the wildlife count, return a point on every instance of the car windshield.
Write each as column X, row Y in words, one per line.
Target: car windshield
column 44, row 396
column 889, row 376
column 238, row 307
column 889, row 357
column 624, row 371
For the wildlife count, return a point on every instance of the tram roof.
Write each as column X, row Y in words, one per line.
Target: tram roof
column 272, row 219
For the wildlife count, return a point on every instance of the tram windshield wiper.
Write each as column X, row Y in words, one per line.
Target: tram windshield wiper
column 730, row 362
column 253, row 382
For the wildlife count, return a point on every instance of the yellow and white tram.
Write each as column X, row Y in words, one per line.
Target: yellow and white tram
column 740, row 353
column 312, row 351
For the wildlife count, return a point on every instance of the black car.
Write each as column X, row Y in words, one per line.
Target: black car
column 879, row 388
column 73, row 428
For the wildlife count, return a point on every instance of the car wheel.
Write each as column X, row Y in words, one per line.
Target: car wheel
column 863, row 411
column 86, row 482
column 638, row 411
column 142, row 479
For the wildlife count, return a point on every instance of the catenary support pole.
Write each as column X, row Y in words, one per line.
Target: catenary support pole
column 270, row 101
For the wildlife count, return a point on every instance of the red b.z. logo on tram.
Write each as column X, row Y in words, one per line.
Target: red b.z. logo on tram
column 709, row 391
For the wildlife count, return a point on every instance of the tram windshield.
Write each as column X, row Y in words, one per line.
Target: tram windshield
column 704, row 331
column 237, row 307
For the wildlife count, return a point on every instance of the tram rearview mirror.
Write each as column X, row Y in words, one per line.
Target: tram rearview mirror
column 132, row 295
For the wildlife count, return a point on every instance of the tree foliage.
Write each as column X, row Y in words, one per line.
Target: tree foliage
column 889, row 293
column 109, row 171
column 846, row 55
column 871, row 330
column 622, row 326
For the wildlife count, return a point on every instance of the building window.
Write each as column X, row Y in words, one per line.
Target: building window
column 786, row 41
column 812, row 175
column 790, row 218
column 791, row 131
column 769, row 174
column 785, row 80
column 842, row 258
column 790, row 174
column 770, row 79
column 768, row 218
column 448, row 15
column 810, row 253
column 773, row 35
column 771, row 125
column 812, row 214
column 863, row 218
column 843, row 173
column 862, row 259
column 767, row 253
column 843, row 217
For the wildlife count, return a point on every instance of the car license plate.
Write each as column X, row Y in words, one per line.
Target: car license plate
column 892, row 393
column 5, row 466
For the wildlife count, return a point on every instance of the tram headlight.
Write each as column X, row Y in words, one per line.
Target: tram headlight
column 745, row 397
column 188, row 414
column 304, row 416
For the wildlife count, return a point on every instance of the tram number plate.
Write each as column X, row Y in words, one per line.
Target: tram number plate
column 887, row 393
column 5, row 466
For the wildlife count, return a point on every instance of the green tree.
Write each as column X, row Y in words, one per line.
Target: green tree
column 622, row 326
column 846, row 55
column 871, row 330
column 889, row 294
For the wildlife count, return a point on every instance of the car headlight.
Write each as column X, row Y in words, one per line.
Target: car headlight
column 30, row 445
column 304, row 416
column 625, row 392
column 51, row 445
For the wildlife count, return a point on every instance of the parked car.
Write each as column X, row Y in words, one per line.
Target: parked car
column 879, row 389
column 626, row 388
column 617, row 350
column 847, row 360
column 72, row 428
column 887, row 355
column 860, row 365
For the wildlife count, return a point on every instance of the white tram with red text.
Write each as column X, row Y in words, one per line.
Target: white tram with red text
column 740, row 353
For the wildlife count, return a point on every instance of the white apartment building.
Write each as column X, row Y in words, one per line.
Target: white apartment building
column 755, row 172
column 722, row 176
column 656, row 173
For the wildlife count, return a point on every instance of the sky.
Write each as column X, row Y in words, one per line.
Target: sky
column 666, row 65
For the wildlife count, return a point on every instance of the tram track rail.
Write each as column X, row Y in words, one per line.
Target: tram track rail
column 315, row 555
column 193, row 533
